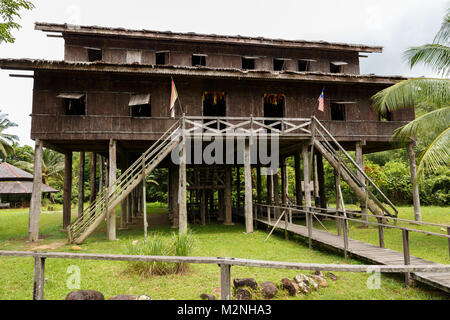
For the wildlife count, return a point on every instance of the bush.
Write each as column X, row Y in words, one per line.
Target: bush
column 156, row 245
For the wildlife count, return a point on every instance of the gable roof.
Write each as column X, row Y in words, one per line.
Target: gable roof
column 203, row 38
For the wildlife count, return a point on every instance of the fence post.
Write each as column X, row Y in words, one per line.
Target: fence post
column 39, row 278
column 225, row 279
column 286, row 225
column 268, row 214
column 448, row 232
column 309, row 223
column 290, row 216
column 345, row 232
column 406, row 256
column 380, row 232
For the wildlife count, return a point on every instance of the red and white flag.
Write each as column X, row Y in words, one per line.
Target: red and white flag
column 321, row 101
column 173, row 99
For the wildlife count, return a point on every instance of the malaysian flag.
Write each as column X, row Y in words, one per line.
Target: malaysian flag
column 321, row 101
column 173, row 98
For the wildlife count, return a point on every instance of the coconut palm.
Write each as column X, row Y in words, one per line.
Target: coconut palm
column 425, row 93
column 52, row 168
column 6, row 139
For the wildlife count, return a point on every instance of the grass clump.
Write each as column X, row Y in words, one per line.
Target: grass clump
column 158, row 245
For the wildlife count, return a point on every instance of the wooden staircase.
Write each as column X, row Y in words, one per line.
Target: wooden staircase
column 112, row 196
column 367, row 191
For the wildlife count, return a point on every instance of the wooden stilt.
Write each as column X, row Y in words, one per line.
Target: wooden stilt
column 360, row 162
column 81, row 185
column 203, row 207
column 175, row 206
column 276, row 193
column 124, row 203
column 298, row 179
column 144, row 200
column 67, row 197
column 100, row 176
column 248, row 212
column 258, row 189
column 337, row 183
column 111, row 215
column 306, row 176
column 228, row 204
column 238, row 190
column 36, row 197
column 182, row 185
column 284, row 182
column 92, row 178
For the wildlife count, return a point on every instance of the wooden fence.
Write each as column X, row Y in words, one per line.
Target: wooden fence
column 225, row 265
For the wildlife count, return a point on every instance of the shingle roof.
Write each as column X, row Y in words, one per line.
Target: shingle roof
column 10, row 172
column 21, row 187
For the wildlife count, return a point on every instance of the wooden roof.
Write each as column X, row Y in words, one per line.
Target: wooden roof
column 10, row 172
column 197, row 71
column 202, row 38
column 22, row 187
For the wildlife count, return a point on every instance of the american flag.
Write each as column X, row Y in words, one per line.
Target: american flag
column 321, row 101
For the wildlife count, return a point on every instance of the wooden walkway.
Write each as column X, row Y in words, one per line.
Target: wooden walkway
column 368, row 252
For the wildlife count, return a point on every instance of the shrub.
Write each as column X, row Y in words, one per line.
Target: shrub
column 157, row 245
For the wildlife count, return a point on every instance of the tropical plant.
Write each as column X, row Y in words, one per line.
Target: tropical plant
column 426, row 93
column 52, row 168
column 6, row 139
column 9, row 11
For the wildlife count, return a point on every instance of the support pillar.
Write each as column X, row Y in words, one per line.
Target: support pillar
column 228, row 205
column 248, row 212
column 321, row 179
column 81, row 185
column 298, row 179
column 306, row 176
column 238, row 189
column 67, row 197
column 203, row 207
column 175, row 205
column 258, row 189
column 276, row 193
column 36, row 197
column 182, row 185
column 111, row 215
column 284, row 182
column 92, row 178
column 124, row 203
column 361, row 178
column 414, row 185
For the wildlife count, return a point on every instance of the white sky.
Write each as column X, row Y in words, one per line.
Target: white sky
column 393, row 24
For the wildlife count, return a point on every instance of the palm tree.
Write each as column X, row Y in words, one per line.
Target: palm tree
column 52, row 168
column 426, row 93
column 5, row 138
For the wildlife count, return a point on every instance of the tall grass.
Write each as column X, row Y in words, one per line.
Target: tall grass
column 157, row 245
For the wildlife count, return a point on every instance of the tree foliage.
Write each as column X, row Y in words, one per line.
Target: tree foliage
column 9, row 13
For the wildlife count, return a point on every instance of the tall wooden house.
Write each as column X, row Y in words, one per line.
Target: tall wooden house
column 111, row 94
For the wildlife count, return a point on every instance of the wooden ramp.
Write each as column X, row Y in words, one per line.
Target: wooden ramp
column 368, row 252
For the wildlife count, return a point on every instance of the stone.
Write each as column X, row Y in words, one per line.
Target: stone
column 332, row 276
column 301, row 278
column 76, row 248
column 289, row 286
column 124, row 297
column 85, row 295
column 243, row 294
column 217, row 292
column 321, row 282
column 313, row 284
column 303, row 288
column 268, row 289
column 144, row 297
column 205, row 296
column 318, row 273
column 247, row 282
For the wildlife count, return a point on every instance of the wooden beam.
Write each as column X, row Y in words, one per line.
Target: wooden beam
column 39, row 278
column 228, row 205
column 203, row 207
column 81, row 184
column 182, row 184
column 111, row 216
column 225, row 280
column 360, row 162
column 67, row 197
column 321, row 178
column 36, row 197
column 124, row 203
column 306, row 175
column 92, row 178
column 175, row 197
column 248, row 189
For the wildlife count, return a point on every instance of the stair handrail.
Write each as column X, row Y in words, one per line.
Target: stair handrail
column 330, row 136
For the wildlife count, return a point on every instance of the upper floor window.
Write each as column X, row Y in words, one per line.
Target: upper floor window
column 162, row 57
column 198, row 60
column 337, row 111
column 279, row 64
column 305, row 65
column 337, row 66
column 140, row 105
column 74, row 103
column 94, row 54
column 248, row 63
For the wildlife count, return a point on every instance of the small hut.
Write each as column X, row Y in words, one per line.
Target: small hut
column 16, row 187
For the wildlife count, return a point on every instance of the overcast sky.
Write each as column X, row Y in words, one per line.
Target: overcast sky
column 393, row 24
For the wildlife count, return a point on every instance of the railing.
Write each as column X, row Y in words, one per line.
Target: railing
column 225, row 265
column 346, row 161
column 342, row 223
column 108, row 197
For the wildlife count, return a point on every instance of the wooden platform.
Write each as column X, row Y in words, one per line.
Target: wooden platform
column 368, row 252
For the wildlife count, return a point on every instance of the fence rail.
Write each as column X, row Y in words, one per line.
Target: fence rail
column 225, row 265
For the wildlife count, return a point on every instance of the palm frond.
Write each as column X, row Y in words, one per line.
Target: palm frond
column 436, row 156
column 409, row 93
column 435, row 122
column 443, row 35
column 434, row 56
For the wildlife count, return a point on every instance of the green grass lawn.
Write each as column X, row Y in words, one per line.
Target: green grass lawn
column 16, row 274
